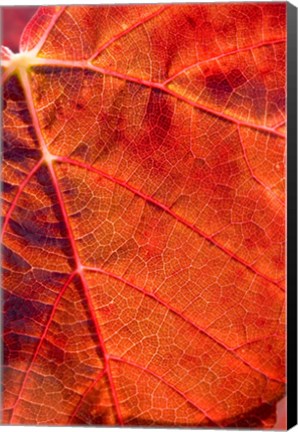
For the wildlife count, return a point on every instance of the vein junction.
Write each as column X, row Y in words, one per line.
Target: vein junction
column 24, row 61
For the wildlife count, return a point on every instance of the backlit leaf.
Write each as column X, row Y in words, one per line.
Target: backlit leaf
column 143, row 216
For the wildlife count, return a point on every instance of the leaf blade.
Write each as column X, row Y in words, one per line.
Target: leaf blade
column 130, row 194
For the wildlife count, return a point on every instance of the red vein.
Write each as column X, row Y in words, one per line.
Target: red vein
column 19, row 192
column 5, row 60
column 5, row 54
column 259, row 339
column 65, row 218
column 48, row 30
column 105, row 354
column 43, row 336
column 123, row 33
column 236, row 51
column 211, row 111
column 280, row 124
column 252, row 173
column 79, row 268
column 88, row 389
column 152, row 200
column 154, row 85
column 6, row 74
column 27, row 91
column 182, row 316
column 160, row 378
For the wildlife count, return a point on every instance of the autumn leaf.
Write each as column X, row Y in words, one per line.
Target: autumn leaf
column 143, row 216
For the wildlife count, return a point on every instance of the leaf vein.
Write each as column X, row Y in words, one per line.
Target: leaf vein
column 183, row 317
column 153, row 201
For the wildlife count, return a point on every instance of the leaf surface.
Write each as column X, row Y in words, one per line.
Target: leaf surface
column 143, row 201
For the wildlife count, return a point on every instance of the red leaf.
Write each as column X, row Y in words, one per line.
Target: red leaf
column 143, row 202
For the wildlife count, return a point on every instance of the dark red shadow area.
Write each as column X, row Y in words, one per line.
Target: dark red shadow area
column 14, row 20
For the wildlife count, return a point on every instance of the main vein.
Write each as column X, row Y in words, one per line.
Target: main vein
column 79, row 270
